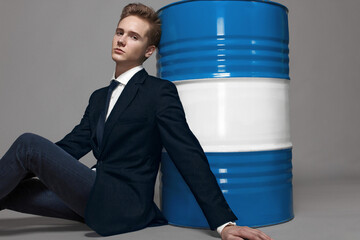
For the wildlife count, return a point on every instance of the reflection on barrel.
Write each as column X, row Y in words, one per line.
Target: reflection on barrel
column 229, row 61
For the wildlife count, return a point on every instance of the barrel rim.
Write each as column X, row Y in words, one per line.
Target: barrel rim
column 259, row 1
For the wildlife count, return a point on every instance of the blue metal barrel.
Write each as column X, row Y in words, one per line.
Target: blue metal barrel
column 229, row 61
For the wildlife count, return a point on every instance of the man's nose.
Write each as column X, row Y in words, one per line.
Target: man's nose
column 121, row 41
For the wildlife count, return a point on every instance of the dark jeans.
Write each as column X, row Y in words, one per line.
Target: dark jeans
column 61, row 188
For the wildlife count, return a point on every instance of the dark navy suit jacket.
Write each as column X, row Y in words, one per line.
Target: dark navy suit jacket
column 147, row 116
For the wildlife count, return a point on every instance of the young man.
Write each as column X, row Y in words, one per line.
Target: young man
column 125, row 125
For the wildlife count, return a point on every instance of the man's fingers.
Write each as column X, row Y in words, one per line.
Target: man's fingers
column 242, row 233
column 251, row 234
column 261, row 235
column 232, row 237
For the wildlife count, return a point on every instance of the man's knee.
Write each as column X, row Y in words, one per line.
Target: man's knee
column 27, row 138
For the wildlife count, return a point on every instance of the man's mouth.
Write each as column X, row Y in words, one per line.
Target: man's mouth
column 118, row 51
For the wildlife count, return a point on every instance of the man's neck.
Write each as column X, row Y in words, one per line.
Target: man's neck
column 120, row 69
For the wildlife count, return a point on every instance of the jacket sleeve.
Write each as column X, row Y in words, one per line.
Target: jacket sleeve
column 77, row 142
column 189, row 158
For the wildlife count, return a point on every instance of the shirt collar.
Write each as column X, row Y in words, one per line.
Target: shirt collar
column 126, row 76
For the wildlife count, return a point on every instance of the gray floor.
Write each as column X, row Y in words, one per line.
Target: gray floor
column 323, row 210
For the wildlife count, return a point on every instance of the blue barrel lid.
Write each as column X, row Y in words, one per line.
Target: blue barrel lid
column 185, row 1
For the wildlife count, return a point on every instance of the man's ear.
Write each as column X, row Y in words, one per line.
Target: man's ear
column 150, row 50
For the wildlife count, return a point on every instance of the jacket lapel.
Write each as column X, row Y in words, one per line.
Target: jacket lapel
column 95, row 116
column 126, row 97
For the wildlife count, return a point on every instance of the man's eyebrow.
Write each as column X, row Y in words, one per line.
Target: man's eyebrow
column 130, row 32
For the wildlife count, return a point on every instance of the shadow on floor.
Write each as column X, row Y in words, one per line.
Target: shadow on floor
column 22, row 226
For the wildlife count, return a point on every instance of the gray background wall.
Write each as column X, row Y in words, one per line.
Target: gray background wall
column 53, row 54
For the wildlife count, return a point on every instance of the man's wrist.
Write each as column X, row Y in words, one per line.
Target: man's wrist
column 220, row 228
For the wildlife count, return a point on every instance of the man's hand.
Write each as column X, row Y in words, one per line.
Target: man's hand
column 243, row 233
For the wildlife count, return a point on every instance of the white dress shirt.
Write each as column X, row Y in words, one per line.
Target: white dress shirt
column 123, row 79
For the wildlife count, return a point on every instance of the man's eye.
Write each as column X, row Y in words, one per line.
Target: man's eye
column 119, row 33
column 135, row 37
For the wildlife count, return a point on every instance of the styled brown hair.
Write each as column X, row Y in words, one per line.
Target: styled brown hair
column 149, row 15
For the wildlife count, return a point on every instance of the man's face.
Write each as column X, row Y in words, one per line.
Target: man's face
column 130, row 43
